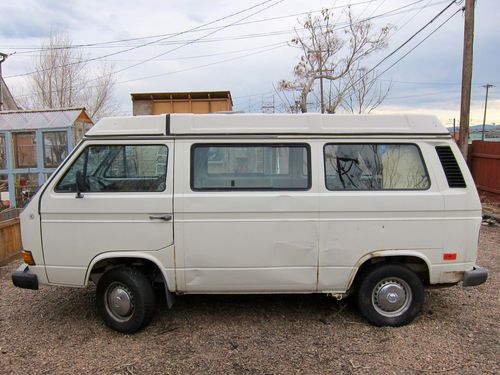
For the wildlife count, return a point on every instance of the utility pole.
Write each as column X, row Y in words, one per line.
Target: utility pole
column 488, row 85
column 454, row 129
column 466, row 77
column 3, row 56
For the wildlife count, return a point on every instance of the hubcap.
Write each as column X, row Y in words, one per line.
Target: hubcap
column 391, row 297
column 119, row 301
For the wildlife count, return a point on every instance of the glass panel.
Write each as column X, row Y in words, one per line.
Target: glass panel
column 4, row 192
column 375, row 167
column 26, row 185
column 236, row 167
column 25, row 149
column 121, row 168
column 3, row 152
column 55, row 148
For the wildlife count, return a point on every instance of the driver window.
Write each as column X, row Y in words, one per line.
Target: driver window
column 118, row 168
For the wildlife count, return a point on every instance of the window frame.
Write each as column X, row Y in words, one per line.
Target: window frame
column 307, row 146
column 375, row 143
column 84, row 149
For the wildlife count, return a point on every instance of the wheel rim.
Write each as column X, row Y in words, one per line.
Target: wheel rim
column 391, row 297
column 119, row 301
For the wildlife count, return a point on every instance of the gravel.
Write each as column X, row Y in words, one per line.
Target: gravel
column 57, row 331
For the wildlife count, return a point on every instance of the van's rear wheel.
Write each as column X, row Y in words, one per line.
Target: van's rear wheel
column 390, row 295
column 125, row 299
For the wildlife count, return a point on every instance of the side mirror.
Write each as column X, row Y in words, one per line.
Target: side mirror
column 80, row 184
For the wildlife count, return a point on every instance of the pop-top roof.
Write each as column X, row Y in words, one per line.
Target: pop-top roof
column 232, row 123
column 44, row 119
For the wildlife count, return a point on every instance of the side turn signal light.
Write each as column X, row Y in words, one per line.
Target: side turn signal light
column 28, row 257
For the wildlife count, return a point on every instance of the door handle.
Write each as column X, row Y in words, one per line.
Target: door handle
column 164, row 217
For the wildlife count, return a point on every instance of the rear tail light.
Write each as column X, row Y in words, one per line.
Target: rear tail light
column 449, row 256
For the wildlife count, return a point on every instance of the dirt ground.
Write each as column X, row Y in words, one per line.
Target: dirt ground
column 57, row 331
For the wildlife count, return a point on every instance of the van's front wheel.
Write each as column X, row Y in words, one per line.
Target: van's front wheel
column 390, row 295
column 125, row 299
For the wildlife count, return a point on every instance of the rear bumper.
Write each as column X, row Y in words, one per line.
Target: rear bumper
column 23, row 278
column 476, row 276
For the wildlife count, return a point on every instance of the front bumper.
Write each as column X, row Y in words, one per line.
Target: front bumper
column 23, row 278
column 476, row 276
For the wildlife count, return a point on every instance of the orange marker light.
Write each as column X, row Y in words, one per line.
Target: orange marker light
column 28, row 257
column 449, row 256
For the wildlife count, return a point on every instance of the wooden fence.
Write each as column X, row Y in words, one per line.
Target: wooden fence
column 10, row 235
column 485, row 167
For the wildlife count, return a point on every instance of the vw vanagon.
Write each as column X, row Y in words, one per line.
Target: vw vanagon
column 374, row 206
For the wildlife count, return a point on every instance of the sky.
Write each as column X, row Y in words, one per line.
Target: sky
column 245, row 48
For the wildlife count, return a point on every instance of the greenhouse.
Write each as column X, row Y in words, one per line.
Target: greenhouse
column 32, row 145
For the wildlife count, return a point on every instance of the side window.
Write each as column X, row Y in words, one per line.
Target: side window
column 118, row 168
column 374, row 167
column 250, row 167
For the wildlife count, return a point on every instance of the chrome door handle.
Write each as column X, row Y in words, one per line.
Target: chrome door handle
column 164, row 217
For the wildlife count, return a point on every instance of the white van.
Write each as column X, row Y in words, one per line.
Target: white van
column 377, row 206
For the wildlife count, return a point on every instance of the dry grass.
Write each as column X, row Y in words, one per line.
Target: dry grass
column 57, row 331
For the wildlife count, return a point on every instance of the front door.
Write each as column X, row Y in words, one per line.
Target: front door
column 110, row 196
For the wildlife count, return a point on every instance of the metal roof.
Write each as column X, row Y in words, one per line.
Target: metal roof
column 44, row 119
column 185, row 124
column 8, row 100
column 194, row 95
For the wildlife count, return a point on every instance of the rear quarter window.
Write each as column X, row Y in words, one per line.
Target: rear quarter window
column 374, row 166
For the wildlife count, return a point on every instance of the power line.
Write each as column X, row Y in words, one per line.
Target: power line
column 199, row 66
column 428, row 82
column 392, row 12
column 421, row 95
column 239, row 57
column 277, row 32
column 417, row 45
column 411, row 18
column 351, row 84
column 413, row 36
column 183, row 70
column 200, row 38
column 86, row 45
column 149, row 43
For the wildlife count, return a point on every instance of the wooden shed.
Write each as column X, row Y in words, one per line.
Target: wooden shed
column 181, row 102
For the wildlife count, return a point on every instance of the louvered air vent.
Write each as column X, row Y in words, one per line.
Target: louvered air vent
column 450, row 167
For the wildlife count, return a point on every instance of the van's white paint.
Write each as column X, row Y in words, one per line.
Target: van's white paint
column 75, row 230
column 261, row 241
column 310, row 123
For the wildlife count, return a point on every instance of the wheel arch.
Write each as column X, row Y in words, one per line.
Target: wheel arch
column 414, row 260
column 105, row 261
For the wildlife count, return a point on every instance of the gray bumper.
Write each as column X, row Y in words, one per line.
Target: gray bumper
column 476, row 276
column 23, row 278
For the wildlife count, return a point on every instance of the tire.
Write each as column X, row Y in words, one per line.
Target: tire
column 133, row 295
column 390, row 295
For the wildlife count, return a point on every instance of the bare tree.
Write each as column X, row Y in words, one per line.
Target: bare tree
column 332, row 56
column 363, row 93
column 62, row 78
